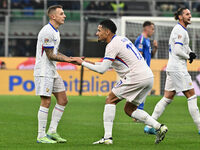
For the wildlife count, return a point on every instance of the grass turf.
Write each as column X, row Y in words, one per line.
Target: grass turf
column 82, row 124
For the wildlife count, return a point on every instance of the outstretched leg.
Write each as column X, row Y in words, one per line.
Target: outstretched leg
column 132, row 111
column 193, row 108
column 159, row 109
column 162, row 104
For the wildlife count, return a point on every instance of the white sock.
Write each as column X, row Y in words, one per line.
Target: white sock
column 144, row 117
column 160, row 107
column 42, row 121
column 194, row 110
column 108, row 117
column 56, row 116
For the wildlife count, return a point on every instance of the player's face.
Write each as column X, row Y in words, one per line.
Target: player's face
column 101, row 33
column 150, row 30
column 186, row 16
column 59, row 16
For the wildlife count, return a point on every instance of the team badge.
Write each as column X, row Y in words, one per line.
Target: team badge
column 140, row 46
column 46, row 40
column 179, row 36
column 47, row 90
column 190, row 84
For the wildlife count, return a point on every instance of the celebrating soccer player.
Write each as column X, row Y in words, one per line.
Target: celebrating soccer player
column 135, row 83
column 178, row 78
column 47, row 79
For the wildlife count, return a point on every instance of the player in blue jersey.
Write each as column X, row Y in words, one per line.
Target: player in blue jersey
column 143, row 44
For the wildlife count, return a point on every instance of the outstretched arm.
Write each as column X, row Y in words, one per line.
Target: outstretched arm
column 56, row 57
column 97, row 67
column 100, row 68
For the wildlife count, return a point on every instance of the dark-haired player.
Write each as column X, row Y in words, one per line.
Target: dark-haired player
column 178, row 78
column 136, row 80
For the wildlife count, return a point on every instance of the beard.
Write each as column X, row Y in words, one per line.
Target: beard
column 187, row 22
column 101, row 41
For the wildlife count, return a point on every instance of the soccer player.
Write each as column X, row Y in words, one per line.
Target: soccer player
column 178, row 78
column 136, row 80
column 47, row 79
column 143, row 44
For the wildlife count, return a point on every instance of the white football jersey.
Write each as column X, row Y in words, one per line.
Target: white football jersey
column 127, row 60
column 48, row 37
column 179, row 35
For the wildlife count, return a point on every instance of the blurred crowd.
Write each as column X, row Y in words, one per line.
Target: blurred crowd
column 172, row 6
column 30, row 5
column 26, row 47
column 21, row 47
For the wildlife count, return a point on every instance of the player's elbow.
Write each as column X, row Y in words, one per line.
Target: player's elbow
column 101, row 71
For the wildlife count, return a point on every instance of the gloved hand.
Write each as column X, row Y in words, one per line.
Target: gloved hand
column 192, row 57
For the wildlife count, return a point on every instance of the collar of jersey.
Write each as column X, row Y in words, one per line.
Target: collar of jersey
column 142, row 36
column 113, row 36
column 53, row 27
column 182, row 26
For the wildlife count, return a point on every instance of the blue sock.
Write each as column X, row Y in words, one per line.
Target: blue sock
column 141, row 106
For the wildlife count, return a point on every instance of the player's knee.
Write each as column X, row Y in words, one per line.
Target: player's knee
column 108, row 101
column 127, row 112
column 169, row 94
column 63, row 101
column 190, row 93
column 112, row 99
column 45, row 102
column 129, row 108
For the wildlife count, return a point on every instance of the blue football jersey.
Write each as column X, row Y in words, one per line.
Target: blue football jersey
column 143, row 45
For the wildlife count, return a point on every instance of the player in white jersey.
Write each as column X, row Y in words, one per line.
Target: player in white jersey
column 178, row 78
column 135, row 83
column 47, row 80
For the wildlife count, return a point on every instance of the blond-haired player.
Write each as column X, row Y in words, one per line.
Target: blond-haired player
column 47, row 79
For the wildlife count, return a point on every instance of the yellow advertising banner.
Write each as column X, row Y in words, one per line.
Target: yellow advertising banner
column 18, row 78
column 21, row 82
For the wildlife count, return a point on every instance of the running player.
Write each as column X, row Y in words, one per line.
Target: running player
column 136, row 80
column 47, row 79
column 178, row 78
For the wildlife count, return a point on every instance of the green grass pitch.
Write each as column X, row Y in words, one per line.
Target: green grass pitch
column 82, row 124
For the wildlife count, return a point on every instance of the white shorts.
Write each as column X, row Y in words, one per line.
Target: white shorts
column 45, row 86
column 134, row 92
column 178, row 81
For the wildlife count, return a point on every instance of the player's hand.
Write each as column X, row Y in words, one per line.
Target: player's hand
column 155, row 44
column 76, row 60
column 192, row 57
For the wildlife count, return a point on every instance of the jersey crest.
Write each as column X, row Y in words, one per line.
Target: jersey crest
column 46, row 40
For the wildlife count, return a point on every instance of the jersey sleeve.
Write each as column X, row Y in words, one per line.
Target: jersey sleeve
column 111, row 51
column 139, row 44
column 179, row 37
column 47, row 40
column 100, row 68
